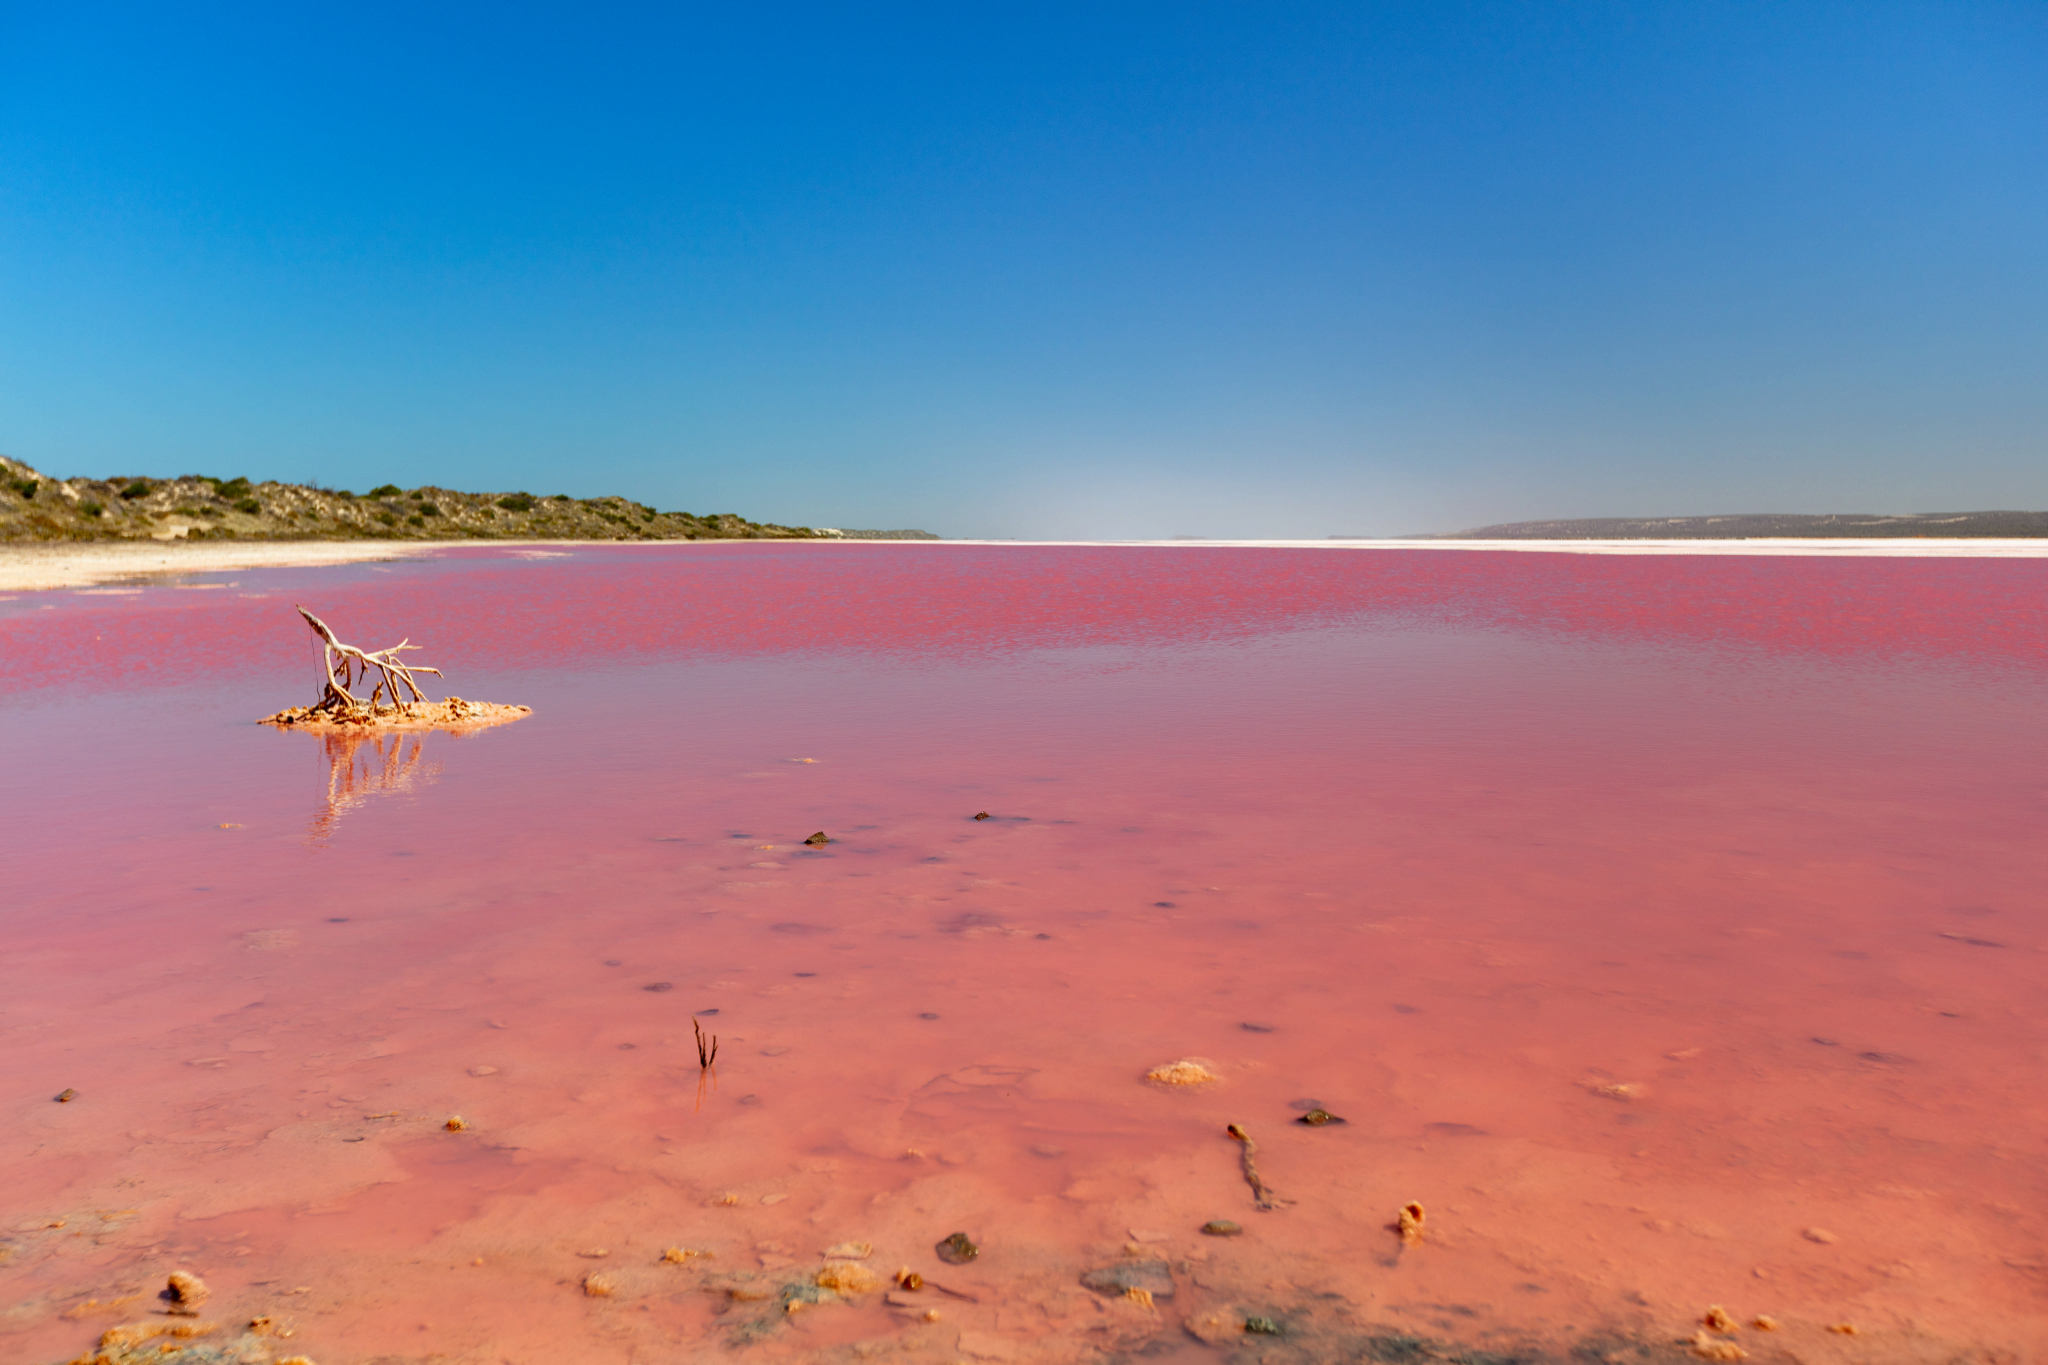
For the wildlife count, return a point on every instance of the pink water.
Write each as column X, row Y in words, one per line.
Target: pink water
column 1470, row 840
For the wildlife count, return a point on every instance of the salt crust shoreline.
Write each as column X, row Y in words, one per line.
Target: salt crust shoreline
column 43, row 568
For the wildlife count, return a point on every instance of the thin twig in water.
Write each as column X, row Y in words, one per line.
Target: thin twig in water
column 1267, row 1199
column 707, row 1061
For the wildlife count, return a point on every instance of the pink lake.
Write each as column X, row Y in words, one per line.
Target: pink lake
column 1670, row 928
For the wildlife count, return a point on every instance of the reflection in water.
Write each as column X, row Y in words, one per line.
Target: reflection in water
column 360, row 766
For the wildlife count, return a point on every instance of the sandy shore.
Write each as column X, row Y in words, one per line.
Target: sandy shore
column 1883, row 547
column 31, row 568
column 35, row 568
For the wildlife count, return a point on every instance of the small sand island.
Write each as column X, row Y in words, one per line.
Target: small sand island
column 396, row 701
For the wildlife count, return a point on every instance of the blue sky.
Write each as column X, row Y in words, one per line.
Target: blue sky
column 1106, row 270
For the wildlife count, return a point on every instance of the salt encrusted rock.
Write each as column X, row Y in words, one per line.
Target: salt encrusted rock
column 1118, row 1279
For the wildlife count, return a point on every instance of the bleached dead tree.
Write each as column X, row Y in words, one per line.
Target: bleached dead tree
column 355, row 667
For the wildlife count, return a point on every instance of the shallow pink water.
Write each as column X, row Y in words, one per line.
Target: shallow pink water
column 1470, row 839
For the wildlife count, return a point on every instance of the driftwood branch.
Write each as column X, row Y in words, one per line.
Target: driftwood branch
column 348, row 666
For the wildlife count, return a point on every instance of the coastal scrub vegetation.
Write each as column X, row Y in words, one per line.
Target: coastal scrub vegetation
column 35, row 507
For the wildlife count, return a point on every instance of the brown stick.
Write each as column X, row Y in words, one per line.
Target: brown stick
column 1267, row 1199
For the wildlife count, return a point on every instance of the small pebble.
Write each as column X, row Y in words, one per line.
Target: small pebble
column 957, row 1249
column 1221, row 1227
column 1821, row 1235
column 1316, row 1118
column 66, row 1096
column 1262, row 1327
column 927, row 1015
column 659, row 986
column 1249, row 1027
column 981, row 815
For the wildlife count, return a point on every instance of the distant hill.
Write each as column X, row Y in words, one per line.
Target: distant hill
column 35, row 507
column 1751, row 525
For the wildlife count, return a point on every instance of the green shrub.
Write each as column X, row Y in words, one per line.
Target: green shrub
column 27, row 488
column 415, row 521
column 428, row 509
column 228, row 490
column 249, row 505
column 89, row 508
column 138, row 489
column 384, row 490
column 517, row 502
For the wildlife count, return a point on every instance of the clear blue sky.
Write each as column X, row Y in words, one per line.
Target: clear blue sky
column 1038, row 270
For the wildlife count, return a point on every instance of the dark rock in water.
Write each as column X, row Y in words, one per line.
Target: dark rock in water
column 1220, row 1227
column 981, row 815
column 1316, row 1118
column 819, row 838
column 67, row 1096
column 1250, row 1027
column 659, row 986
column 1263, row 1327
column 1151, row 1276
column 957, row 1250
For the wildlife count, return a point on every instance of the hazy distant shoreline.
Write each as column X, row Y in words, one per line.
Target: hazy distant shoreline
column 1996, row 525
column 95, row 564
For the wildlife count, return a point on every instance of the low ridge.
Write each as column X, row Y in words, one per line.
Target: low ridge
column 35, row 507
column 1753, row 525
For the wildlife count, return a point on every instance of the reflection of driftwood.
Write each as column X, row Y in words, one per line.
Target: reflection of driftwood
column 396, row 701
column 360, row 766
